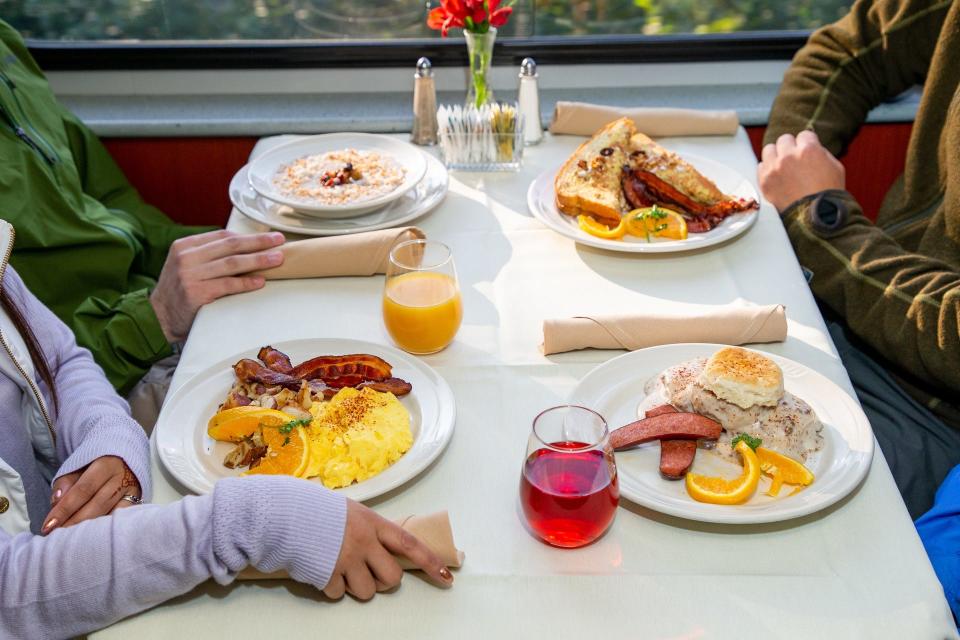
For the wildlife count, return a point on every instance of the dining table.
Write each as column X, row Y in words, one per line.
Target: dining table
column 856, row 569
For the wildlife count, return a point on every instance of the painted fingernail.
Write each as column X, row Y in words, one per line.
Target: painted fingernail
column 445, row 574
column 50, row 524
column 274, row 257
column 56, row 495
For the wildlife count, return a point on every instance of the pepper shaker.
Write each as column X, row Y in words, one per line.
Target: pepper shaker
column 529, row 99
column 424, row 105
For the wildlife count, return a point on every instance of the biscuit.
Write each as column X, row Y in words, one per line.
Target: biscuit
column 742, row 377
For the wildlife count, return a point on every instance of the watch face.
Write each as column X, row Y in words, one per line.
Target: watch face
column 828, row 213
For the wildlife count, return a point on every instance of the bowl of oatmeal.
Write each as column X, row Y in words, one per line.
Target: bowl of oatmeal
column 339, row 175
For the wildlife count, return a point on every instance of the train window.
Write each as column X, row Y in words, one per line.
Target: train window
column 66, row 34
column 392, row 19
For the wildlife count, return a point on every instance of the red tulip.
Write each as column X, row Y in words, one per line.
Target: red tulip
column 456, row 13
column 444, row 19
column 499, row 17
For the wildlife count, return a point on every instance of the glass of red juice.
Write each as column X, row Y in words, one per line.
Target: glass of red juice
column 568, row 488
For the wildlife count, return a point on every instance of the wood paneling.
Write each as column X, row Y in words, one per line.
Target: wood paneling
column 187, row 178
column 873, row 161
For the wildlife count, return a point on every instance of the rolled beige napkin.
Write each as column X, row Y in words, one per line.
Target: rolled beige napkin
column 358, row 254
column 583, row 119
column 433, row 530
column 731, row 324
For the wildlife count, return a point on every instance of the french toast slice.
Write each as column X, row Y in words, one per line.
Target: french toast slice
column 589, row 181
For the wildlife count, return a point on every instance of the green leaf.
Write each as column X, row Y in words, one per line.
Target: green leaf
column 752, row 442
column 293, row 424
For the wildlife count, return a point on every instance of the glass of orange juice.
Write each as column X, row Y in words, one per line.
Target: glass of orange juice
column 421, row 297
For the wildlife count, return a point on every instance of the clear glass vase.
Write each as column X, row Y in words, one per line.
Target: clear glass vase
column 480, row 52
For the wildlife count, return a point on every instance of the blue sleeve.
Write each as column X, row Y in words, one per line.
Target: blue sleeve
column 939, row 530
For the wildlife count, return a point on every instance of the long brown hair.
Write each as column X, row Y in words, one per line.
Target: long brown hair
column 33, row 345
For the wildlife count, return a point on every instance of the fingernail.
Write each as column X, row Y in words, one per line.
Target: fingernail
column 274, row 257
column 277, row 237
column 446, row 575
column 56, row 495
column 51, row 523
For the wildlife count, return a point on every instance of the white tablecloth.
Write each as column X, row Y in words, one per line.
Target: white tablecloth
column 855, row 570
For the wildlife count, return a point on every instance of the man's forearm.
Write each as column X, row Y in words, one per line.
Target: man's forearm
column 905, row 305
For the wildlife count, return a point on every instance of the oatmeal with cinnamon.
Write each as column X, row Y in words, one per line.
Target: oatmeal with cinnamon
column 339, row 177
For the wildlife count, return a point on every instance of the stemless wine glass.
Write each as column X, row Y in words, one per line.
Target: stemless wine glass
column 421, row 297
column 568, row 489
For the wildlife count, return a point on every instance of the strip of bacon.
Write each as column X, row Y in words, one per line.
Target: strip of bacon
column 328, row 367
column 664, row 193
column 396, row 386
column 248, row 370
column 275, row 359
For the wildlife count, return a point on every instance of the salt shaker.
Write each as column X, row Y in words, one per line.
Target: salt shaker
column 424, row 105
column 529, row 99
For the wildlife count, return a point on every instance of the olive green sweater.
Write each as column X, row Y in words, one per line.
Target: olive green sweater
column 896, row 282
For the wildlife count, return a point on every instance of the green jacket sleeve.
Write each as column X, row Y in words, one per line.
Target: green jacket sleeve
column 125, row 335
column 904, row 305
column 104, row 181
column 878, row 50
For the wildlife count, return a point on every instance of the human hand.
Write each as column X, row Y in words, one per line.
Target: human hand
column 797, row 167
column 95, row 490
column 201, row 268
column 366, row 564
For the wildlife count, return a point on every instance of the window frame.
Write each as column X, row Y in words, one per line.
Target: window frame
column 105, row 55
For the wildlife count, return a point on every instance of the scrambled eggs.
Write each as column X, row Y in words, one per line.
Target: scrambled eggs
column 355, row 436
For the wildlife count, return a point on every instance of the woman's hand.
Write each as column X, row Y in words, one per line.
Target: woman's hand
column 96, row 490
column 366, row 563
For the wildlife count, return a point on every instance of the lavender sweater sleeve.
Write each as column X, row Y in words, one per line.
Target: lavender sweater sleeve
column 93, row 421
column 87, row 576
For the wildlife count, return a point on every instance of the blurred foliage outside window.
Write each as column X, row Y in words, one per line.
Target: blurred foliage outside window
column 393, row 19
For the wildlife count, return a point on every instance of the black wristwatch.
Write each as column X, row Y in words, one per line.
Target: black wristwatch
column 826, row 212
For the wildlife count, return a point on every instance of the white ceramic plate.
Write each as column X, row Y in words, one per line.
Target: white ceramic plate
column 418, row 201
column 615, row 389
column 541, row 199
column 196, row 460
column 265, row 166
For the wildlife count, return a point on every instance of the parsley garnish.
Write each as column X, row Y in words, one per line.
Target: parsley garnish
column 293, row 424
column 653, row 213
column 286, row 441
column 752, row 442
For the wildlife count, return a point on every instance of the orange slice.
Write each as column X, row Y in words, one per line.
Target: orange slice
column 776, row 484
column 233, row 425
column 287, row 452
column 656, row 222
column 722, row 491
column 782, row 469
column 601, row 230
